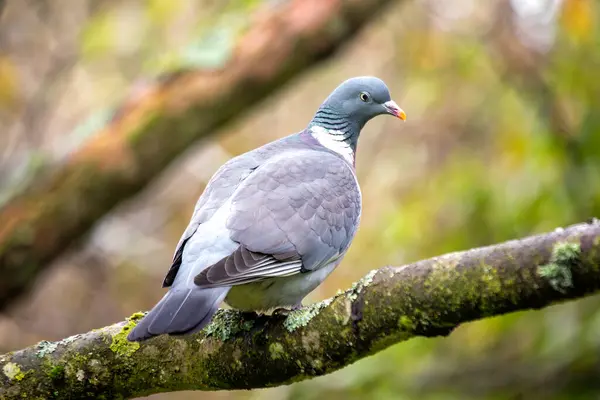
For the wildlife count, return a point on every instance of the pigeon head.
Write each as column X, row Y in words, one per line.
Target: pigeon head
column 339, row 120
column 355, row 102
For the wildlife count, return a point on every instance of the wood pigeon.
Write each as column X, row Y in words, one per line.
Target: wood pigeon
column 272, row 223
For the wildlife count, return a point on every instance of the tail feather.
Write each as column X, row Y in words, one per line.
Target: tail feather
column 181, row 311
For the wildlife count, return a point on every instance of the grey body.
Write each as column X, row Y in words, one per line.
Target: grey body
column 212, row 239
column 272, row 223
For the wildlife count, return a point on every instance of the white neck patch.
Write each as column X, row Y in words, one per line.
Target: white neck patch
column 327, row 139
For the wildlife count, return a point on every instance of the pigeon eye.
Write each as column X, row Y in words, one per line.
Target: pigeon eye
column 364, row 96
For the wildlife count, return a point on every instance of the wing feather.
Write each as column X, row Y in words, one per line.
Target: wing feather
column 220, row 187
column 295, row 213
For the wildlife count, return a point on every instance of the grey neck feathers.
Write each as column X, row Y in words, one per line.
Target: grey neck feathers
column 341, row 127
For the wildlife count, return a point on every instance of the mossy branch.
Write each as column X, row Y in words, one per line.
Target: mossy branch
column 389, row 305
column 158, row 122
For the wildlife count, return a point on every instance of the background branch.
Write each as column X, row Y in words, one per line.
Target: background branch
column 390, row 305
column 157, row 123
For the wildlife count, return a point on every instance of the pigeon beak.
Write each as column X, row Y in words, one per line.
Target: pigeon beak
column 393, row 109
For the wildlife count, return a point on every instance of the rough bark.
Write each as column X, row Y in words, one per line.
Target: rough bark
column 389, row 305
column 160, row 121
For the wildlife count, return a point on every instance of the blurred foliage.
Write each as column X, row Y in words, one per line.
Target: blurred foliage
column 8, row 83
column 213, row 34
column 503, row 140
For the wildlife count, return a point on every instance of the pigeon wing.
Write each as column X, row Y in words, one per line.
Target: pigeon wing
column 220, row 187
column 295, row 213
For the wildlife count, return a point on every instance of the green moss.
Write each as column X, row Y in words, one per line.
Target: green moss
column 120, row 344
column 492, row 289
column 301, row 317
column 13, row 371
column 405, row 323
column 228, row 323
column 564, row 257
column 135, row 317
column 445, row 282
column 478, row 284
column 276, row 350
column 56, row 372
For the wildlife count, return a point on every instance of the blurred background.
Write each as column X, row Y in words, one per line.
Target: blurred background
column 502, row 141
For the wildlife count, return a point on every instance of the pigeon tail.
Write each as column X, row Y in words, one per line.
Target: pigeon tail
column 181, row 311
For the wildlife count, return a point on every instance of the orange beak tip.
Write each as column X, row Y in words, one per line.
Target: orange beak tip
column 402, row 115
column 393, row 109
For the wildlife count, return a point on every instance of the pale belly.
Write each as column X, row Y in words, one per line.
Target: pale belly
column 277, row 292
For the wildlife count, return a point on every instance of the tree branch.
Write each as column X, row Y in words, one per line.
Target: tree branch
column 389, row 305
column 160, row 121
